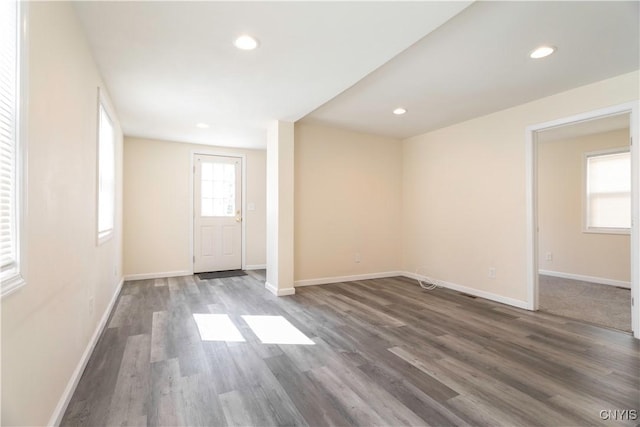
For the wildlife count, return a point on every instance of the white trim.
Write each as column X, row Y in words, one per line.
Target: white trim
column 12, row 284
column 279, row 292
column 531, row 191
column 590, row 279
column 243, row 159
column 61, row 407
column 22, row 189
column 104, row 103
column 340, row 279
column 472, row 291
column 255, row 267
column 160, row 275
column 243, row 224
column 634, row 130
column 17, row 278
column 460, row 288
column 602, row 230
column 631, row 108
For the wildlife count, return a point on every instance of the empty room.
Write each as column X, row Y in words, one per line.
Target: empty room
column 319, row 213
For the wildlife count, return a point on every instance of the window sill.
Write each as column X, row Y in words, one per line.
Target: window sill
column 594, row 230
column 12, row 283
column 104, row 237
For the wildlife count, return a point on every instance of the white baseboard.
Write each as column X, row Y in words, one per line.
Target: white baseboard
column 590, row 279
column 279, row 292
column 460, row 288
column 339, row 279
column 256, row 267
column 61, row 407
column 160, row 275
column 471, row 291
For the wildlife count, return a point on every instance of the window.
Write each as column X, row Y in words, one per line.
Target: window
column 106, row 174
column 608, row 191
column 218, row 189
column 12, row 96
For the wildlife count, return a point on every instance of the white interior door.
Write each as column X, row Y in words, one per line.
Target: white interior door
column 217, row 213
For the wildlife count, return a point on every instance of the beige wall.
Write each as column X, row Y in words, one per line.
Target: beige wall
column 347, row 201
column 464, row 207
column 560, row 212
column 47, row 324
column 157, row 205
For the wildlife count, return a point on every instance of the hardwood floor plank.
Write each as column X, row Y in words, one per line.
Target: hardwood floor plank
column 236, row 412
column 386, row 352
column 131, row 394
column 360, row 412
column 525, row 406
column 365, row 311
column 159, row 331
column 225, row 374
column 382, row 402
column 477, row 412
column 197, row 403
column 90, row 403
column 420, row 403
column 163, row 406
column 315, row 405
column 122, row 311
column 261, row 382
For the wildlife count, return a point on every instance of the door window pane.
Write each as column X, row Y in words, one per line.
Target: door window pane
column 218, row 189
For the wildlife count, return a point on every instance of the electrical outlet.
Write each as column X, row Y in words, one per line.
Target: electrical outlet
column 357, row 257
column 492, row 272
column 549, row 256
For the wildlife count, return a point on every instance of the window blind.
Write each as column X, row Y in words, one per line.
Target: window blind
column 609, row 190
column 8, row 137
column 106, row 174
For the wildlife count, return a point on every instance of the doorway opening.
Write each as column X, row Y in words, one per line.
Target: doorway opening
column 218, row 232
column 582, row 205
column 584, row 221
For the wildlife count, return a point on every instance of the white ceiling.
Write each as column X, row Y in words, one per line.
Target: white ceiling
column 170, row 65
column 477, row 63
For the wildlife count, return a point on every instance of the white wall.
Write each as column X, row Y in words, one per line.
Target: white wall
column 560, row 212
column 464, row 207
column 157, row 206
column 348, row 200
column 47, row 324
column 280, row 208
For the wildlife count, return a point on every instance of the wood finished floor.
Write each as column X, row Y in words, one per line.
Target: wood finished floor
column 386, row 353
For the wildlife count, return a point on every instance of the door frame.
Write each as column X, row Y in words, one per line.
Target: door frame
column 631, row 108
column 243, row 184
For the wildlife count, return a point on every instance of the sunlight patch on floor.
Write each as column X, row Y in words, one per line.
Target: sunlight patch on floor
column 276, row 330
column 217, row 327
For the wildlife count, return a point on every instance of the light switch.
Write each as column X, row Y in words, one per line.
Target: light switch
column 251, row 206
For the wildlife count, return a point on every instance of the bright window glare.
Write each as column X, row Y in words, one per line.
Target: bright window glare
column 106, row 174
column 609, row 190
column 276, row 330
column 217, row 327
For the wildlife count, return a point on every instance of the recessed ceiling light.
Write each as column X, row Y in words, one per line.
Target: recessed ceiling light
column 542, row 51
column 202, row 125
column 246, row 42
column 399, row 111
